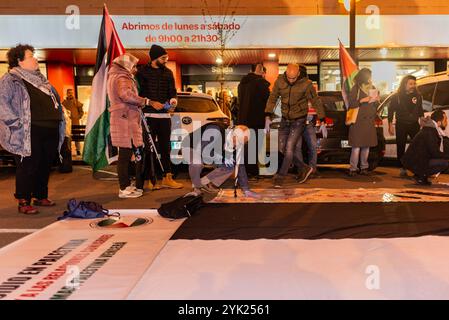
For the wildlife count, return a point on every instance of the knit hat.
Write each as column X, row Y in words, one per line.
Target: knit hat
column 156, row 52
column 126, row 60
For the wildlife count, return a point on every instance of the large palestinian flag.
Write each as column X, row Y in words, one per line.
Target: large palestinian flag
column 97, row 146
column 348, row 70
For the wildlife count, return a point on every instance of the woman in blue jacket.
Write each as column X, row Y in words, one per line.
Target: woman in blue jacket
column 32, row 126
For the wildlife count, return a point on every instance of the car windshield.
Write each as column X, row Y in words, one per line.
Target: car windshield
column 441, row 99
column 196, row 105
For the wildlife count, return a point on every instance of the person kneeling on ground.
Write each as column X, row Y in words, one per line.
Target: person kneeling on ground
column 425, row 155
column 227, row 147
column 126, row 128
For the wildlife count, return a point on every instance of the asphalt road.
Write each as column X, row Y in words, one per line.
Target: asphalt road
column 81, row 184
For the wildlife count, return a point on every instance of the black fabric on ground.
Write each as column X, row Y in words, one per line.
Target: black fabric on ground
column 249, row 221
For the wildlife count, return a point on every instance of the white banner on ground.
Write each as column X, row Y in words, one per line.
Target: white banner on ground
column 255, row 31
column 78, row 259
column 402, row 268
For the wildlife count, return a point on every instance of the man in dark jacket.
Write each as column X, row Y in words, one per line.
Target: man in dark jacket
column 406, row 104
column 295, row 91
column 425, row 156
column 157, row 83
column 253, row 93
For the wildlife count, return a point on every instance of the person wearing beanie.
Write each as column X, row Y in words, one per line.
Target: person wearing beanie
column 156, row 82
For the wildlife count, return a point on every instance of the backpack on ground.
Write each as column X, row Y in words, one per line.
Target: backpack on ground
column 84, row 210
column 182, row 207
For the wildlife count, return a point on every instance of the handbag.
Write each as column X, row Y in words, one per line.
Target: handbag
column 352, row 113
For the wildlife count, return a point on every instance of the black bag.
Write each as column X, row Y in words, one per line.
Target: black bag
column 182, row 207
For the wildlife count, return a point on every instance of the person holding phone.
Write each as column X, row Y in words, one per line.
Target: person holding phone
column 362, row 134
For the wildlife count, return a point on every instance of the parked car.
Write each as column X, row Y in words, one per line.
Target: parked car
column 435, row 91
column 335, row 149
column 194, row 110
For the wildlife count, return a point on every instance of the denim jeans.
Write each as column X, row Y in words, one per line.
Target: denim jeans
column 361, row 153
column 290, row 132
column 218, row 176
column 309, row 136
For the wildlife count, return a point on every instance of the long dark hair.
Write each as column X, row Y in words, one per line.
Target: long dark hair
column 401, row 89
column 362, row 76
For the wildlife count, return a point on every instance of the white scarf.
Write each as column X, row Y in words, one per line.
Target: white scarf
column 441, row 134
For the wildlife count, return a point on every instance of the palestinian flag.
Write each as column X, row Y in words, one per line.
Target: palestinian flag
column 98, row 150
column 348, row 70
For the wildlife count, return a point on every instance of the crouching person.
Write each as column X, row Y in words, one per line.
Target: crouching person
column 425, row 156
column 224, row 150
column 126, row 129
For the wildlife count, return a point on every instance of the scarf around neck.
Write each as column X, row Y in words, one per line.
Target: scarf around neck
column 37, row 80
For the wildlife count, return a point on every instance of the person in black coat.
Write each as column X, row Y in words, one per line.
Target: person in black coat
column 406, row 104
column 157, row 83
column 425, row 156
column 253, row 93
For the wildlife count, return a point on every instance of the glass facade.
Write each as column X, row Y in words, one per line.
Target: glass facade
column 387, row 75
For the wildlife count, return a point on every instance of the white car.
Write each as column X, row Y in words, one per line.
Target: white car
column 435, row 91
column 194, row 110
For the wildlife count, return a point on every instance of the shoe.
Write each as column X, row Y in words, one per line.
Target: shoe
column 364, row 172
column 252, row 194
column 139, row 191
column 43, row 203
column 26, row 208
column 154, row 187
column 352, row 173
column 403, row 173
column 168, row 182
column 195, row 192
column 129, row 192
column 422, row 181
column 210, row 188
column 278, row 181
column 315, row 174
column 304, row 174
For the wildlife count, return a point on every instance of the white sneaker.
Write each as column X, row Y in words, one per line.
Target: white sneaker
column 129, row 192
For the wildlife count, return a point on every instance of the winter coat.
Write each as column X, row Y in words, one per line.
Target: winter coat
column 294, row 98
column 363, row 132
column 124, row 108
column 156, row 84
column 15, row 116
column 424, row 147
column 253, row 93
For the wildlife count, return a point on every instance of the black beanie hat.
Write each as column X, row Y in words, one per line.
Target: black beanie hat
column 156, row 52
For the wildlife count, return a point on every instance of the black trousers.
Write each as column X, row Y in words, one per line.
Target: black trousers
column 436, row 166
column 124, row 158
column 252, row 169
column 161, row 131
column 32, row 172
column 402, row 132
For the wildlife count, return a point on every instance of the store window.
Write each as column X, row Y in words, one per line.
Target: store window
column 387, row 75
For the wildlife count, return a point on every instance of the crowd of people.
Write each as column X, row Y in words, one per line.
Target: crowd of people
column 33, row 126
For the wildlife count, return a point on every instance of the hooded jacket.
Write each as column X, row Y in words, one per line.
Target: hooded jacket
column 294, row 98
column 124, row 108
column 253, row 93
column 424, row 147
